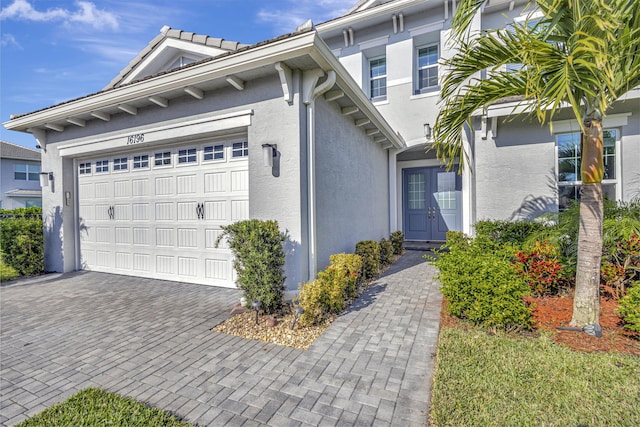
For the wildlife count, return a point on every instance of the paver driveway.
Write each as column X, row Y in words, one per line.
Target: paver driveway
column 151, row 340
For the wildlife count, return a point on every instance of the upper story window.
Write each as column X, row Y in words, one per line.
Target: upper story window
column 141, row 162
column 187, row 156
column 120, row 164
column 162, row 159
column 84, row 168
column 427, row 68
column 102, row 166
column 569, row 166
column 25, row 172
column 240, row 149
column 378, row 78
column 214, row 152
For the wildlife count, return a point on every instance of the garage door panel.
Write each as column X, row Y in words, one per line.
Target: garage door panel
column 162, row 222
column 164, row 186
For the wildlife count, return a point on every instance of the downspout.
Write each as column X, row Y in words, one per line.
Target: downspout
column 311, row 90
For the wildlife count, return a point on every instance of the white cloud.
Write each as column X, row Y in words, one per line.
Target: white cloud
column 86, row 13
column 296, row 12
column 9, row 40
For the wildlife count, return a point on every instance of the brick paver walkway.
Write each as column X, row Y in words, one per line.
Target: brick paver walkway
column 151, row 340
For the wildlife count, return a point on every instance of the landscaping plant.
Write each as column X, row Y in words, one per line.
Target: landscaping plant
column 482, row 286
column 369, row 250
column 540, row 268
column 259, row 261
column 21, row 240
column 397, row 239
column 630, row 307
column 386, row 252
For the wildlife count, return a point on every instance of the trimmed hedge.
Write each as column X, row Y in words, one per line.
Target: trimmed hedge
column 259, row 261
column 397, row 239
column 369, row 250
column 22, row 242
column 386, row 252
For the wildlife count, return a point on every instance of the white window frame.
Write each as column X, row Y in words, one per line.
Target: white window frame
column 428, row 89
column 164, row 155
column 213, row 152
column 85, row 168
column 101, row 166
column 611, row 181
column 28, row 170
column 140, row 162
column 371, row 79
column 244, row 150
column 120, row 166
column 187, row 156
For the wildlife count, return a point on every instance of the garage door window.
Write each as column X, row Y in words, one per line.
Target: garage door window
column 120, row 164
column 85, row 168
column 162, row 159
column 187, row 156
column 102, row 166
column 213, row 152
column 240, row 149
column 141, row 162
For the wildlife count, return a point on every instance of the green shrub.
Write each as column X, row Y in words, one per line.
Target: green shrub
column 507, row 232
column 369, row 250
column 482, row 286
column 259, row 260
column 21, row 240
column 325, row 296
column 629, row 307
column 386, row 252
column 351, row 264
column 397, row 239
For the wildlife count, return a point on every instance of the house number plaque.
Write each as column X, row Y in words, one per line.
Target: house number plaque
column 135, row 139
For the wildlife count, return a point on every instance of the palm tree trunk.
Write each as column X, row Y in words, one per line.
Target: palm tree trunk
column 586, row 302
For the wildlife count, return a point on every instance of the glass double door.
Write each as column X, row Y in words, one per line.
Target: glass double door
column 431, row 203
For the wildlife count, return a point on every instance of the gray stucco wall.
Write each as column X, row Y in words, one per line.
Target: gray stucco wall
column 270, row 197
column 515, row 173
column 630, row 152
column 352, row 184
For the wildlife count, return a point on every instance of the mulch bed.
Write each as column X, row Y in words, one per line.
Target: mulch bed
column 549, row 312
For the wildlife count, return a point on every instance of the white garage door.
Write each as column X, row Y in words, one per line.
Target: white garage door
column 158, row 213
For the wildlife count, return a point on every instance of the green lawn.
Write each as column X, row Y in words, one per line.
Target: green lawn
column 94, row 407
column 489, row 380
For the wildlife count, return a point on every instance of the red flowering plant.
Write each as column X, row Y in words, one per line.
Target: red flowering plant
column 539, row 266
column 621, row 265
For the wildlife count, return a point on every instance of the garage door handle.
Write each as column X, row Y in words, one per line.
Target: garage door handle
column 200, row 210
column 111, row 212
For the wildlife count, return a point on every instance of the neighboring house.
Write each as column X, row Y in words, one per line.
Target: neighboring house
column 323, row 130
column 19, row 177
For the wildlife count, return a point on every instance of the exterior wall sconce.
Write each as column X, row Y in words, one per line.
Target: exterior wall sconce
column 427, row 131
column 269, row 151
column 45, row 177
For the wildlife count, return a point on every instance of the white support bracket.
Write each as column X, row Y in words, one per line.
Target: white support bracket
column 286, row 80
column 236, row 82
column 483, row 127
column 41, row 137
column 494, row 127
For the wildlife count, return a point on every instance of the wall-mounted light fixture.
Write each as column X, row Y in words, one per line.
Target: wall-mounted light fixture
column 45, row 177
column 427, row 131
column 269, row 151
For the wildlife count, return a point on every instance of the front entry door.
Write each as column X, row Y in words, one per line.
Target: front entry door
column 432, row 203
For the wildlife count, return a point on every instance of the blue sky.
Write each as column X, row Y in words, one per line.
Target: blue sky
column 56, row 50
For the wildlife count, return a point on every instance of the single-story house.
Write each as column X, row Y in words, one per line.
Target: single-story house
column 19, row 177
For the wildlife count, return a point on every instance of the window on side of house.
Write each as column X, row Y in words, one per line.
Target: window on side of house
column 188, row 155
column 240, row 149
column 378, row 78
column 569, row 166
column 141, row 161
column 214, row 152
column 427, row 68
column 25, row 172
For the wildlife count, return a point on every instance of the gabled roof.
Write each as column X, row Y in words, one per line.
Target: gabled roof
column 366, row 4
column 217, row 47
column 13, row 151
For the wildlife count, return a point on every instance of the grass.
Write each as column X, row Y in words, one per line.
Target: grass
column 95, row 407
column 492, row 380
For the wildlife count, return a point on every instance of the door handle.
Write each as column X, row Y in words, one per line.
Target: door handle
column 111, row 212
column 200, row 210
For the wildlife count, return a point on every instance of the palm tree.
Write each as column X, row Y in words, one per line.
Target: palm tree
column 580, row 54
